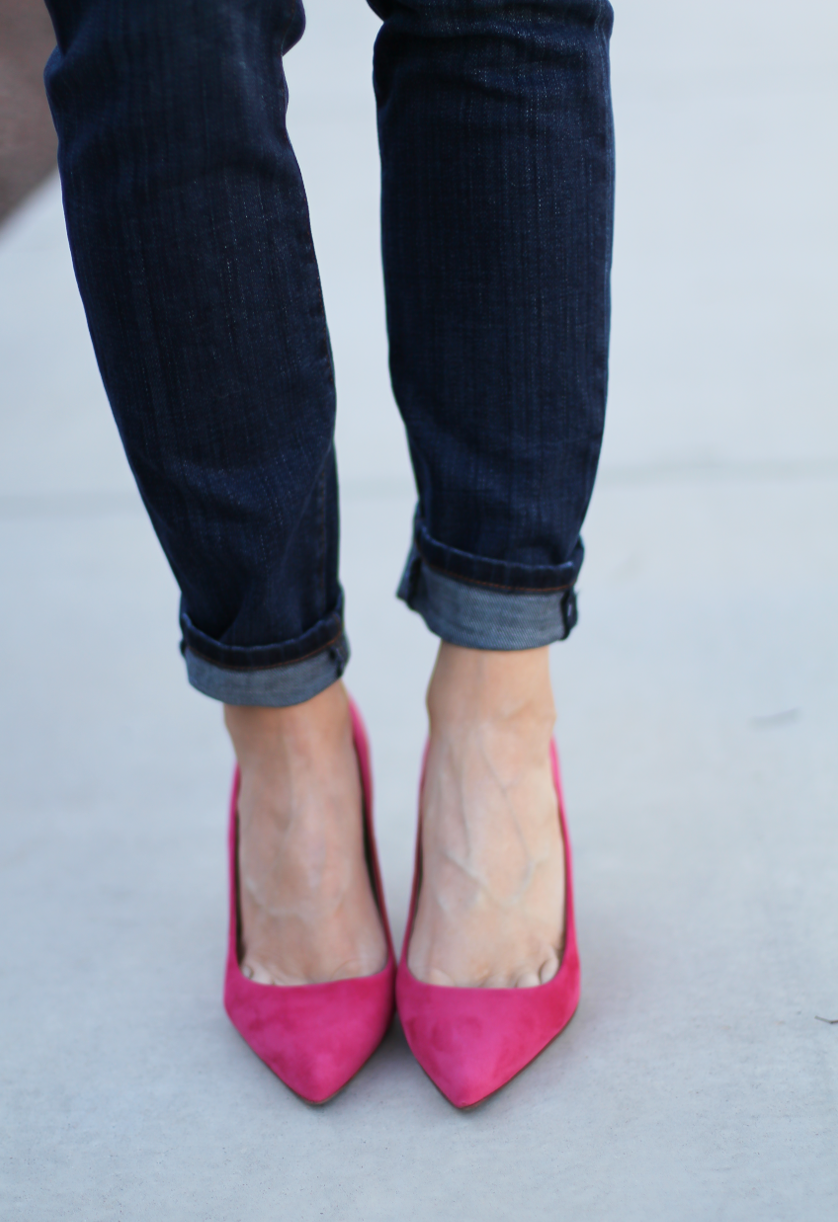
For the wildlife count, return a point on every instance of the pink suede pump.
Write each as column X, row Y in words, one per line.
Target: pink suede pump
column 470, row 1042
column 314, row 1037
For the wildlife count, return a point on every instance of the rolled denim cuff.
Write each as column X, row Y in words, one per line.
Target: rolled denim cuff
column 487, row 604
column 273, row 676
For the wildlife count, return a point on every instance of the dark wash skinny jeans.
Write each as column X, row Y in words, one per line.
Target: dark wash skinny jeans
column 190, row 236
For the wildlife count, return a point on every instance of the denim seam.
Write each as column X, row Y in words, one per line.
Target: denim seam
column 268, row 665
column 492, row 585
column 323, row 556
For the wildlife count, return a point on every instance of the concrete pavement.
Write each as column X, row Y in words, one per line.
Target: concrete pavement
column 698, row 710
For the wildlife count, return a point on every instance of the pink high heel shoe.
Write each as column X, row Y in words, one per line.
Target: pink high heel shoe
column 470, row 1042
column 314, row 1037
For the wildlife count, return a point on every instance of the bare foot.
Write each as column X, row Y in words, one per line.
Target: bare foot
column 307, row 909
column 491, row 901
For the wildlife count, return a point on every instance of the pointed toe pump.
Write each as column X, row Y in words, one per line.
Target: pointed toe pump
column 471, row 1041
column 314, row 1037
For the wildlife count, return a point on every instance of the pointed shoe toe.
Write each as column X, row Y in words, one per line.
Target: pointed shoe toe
column 472, row 1041
column 314, row 1037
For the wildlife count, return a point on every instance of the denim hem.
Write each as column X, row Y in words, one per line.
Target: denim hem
column 273, row 686
column 502, row 575
column 327, row 632
column 480, row 616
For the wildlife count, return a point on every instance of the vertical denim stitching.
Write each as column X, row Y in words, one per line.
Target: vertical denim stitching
column 324, row 556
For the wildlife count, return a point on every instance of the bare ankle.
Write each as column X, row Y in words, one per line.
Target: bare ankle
column 500, row 692
column 302, row 730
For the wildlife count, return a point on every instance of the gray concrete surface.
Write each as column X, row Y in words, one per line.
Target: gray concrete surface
column 698, row 700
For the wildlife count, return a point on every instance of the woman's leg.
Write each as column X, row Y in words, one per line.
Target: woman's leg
column 497, row 179
column 189, row 230
column 307, row 908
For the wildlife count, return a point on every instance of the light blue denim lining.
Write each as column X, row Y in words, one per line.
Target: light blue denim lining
column 270, row 687
column 480, row 617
